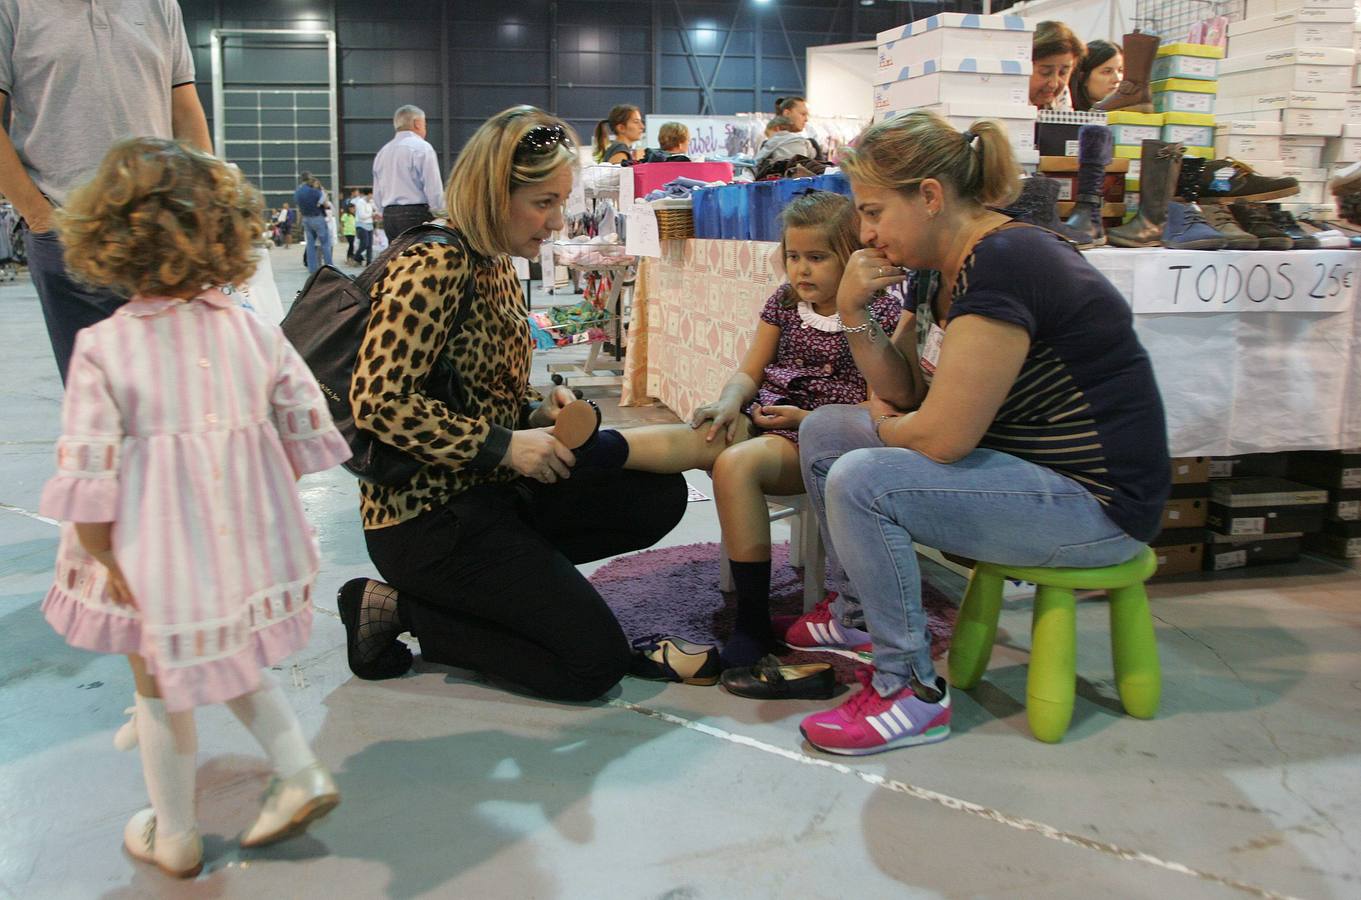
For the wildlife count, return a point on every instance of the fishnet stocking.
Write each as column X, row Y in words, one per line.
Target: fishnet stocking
column 379, row 623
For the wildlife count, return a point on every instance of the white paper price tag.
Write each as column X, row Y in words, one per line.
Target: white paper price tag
column 1252, row 526
column 644, row 238
column 1349, row 510
column 1231, row 560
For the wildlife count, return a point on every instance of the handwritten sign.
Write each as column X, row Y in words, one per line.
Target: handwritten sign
column 1189, row 281
column 644, row 238
column 722, row 136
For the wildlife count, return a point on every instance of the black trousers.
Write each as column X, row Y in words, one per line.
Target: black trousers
column 489, row 582
column 399, row 218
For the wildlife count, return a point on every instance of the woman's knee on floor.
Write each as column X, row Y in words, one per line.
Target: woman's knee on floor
column 596, row 669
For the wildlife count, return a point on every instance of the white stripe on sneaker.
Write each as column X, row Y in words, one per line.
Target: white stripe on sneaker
column 884, row 732
column 900, row 716
column 820, row 633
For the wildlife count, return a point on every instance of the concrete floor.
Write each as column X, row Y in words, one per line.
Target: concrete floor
column 1247, row 784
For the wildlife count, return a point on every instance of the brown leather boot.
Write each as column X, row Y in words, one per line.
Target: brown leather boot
column 1133, row 94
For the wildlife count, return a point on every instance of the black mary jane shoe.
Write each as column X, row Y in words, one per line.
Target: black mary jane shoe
column 392, row 662
column 660, row 657
column 768, row 680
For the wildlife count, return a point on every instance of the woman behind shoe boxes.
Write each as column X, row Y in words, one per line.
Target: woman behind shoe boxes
column 479, row 550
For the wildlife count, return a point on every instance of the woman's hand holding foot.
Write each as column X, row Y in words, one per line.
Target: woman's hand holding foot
column 536, row 453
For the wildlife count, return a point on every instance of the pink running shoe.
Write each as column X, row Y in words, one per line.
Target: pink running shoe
column 868, row 723
column 818, row 629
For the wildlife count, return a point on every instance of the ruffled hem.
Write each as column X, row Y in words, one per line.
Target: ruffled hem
column 220, row 680
column 107, row 628
column 318, row 453
column 71, row 498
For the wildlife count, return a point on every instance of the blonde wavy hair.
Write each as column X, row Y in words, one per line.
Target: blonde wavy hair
column 489, row 168
column 162, row 219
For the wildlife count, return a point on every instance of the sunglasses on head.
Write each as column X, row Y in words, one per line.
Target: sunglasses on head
column 542, row 139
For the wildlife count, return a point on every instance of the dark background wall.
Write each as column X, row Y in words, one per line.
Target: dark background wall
column 463, row 60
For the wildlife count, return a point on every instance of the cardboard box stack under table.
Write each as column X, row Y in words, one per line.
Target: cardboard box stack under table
column 1288, row 88
column 965, row 67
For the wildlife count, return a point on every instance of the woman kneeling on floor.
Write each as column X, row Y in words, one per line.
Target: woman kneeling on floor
column 480, row 548
column 1038, row 439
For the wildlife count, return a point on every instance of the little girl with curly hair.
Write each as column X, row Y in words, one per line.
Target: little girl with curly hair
column 184, row 545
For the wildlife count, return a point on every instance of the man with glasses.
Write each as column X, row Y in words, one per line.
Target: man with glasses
column 406, row 183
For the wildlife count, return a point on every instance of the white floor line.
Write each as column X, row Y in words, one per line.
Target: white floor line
column 29, row 515
column 954, row 803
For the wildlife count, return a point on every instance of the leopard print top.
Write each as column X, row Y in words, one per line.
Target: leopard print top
column 416, row 302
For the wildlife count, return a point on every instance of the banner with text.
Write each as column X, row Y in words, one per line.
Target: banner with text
column 1189, row 281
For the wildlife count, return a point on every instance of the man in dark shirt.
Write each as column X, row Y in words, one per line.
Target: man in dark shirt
column 316, row 234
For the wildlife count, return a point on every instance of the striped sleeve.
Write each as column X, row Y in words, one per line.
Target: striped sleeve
column 85, row 488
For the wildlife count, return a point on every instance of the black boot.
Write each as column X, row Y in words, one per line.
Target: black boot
column 1188, row 183
column 1037, row 205
column 1094, row 147
column 1159, row 167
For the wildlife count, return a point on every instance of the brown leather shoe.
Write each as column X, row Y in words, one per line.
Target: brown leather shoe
column 576, row 424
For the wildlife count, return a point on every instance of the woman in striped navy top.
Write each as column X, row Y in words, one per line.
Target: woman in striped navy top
column 1015, row 416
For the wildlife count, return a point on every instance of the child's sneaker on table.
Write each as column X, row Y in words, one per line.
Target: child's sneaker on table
column 818, row 629
column 178, row 855
column 292, row 804
column 868, row 723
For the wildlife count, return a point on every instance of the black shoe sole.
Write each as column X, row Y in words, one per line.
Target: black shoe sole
column 393, row 662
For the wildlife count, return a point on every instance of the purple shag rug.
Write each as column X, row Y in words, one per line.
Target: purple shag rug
column 674, row 590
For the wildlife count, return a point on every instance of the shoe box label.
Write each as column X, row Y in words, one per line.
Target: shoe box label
column 1191, row 281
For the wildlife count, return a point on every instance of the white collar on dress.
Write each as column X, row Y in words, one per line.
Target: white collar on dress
column 830, row 324
column 150, row 306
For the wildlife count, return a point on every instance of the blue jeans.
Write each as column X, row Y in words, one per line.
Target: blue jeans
column 364, row 239
column 318, row 234
column 68, row 305
column 875, row 501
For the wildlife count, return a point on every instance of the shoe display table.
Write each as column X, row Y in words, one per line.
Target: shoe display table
column 1254, row 351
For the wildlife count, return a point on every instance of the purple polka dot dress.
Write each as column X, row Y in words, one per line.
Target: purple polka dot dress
column 813, row 365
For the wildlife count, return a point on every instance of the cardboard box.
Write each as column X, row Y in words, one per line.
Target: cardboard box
column 1261, row 505
column 1344, row 505
column 1308, row 69
column 1136, row 134
column 1180, row 559
column 1248, row 147
column 1270, row 464
column 1299, row 152
column 1187, row 61
column 1191, row 470
column 953, row 86
column 1112, row 187
column 1307, row 27
column 956, row 35
column 1339, row 539
column 1319, row 122
column 1223, row 552
column 1018, row 119
column 1051, row 165
column 1332, row 469
column 1184, row 95
column 1194, row 129
column 1281, row 99
column 1344, row 149
column 1172, row 537
column 1189, row 512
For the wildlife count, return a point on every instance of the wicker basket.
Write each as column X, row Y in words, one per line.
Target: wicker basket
column 676, row 224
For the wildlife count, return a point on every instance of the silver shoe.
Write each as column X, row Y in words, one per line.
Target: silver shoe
column 292, row 804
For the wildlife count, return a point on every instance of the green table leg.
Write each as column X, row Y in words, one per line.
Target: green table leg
column 1053, row 663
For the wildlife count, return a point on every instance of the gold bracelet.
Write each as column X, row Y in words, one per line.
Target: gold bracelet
column 879, row 423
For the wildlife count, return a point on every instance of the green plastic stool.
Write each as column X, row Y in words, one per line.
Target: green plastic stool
column 1050, row 684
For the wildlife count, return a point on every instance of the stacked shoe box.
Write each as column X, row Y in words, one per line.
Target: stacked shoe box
column 965, row 67
column 1180, row 546
column 1294, row 67
column 1185, row 84
column 1129, row 130
column 1339, row 473
column 1260, row 519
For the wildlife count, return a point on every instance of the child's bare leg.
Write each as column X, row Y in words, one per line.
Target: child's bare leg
column 743, row 475
column 678, row 448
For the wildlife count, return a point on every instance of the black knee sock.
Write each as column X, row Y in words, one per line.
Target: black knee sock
column 607, row 450
column 753, row 637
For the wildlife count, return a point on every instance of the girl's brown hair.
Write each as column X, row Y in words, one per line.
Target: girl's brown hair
column 672, row 135
column 162, row 219
column 1098, row 54
column 492, row 164
column 1053, row 38
column 901, row 152
column 831, row 214
column 610, row 125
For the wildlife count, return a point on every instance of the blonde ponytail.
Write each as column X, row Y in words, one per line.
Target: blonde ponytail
column 998, row 183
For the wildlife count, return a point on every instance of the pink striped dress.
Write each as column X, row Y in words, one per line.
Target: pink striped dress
column 185, row 424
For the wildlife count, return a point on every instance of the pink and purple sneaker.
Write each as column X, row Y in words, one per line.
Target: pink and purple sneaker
column 818, row 629
column 868, row 723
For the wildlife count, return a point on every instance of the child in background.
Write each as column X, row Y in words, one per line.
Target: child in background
column 184, row 545
column 748, row 437
column 674, row 140
column 347, row 232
